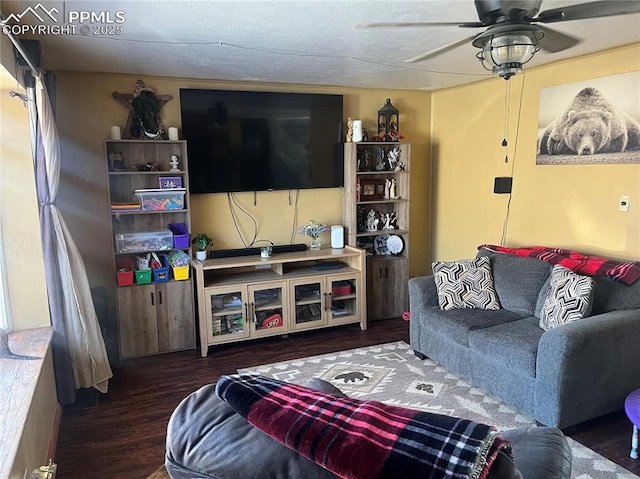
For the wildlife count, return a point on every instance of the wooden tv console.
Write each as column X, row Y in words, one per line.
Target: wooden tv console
column 247, row 297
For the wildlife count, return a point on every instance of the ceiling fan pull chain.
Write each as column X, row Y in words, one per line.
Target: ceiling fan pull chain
column 507, row 95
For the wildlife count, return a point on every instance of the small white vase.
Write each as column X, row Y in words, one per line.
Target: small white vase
column 201, row 255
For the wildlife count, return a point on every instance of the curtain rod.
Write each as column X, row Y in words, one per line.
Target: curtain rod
column 16, row 43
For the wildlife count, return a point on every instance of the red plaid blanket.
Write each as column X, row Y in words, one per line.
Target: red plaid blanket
column 363, row 439
column 626, row 272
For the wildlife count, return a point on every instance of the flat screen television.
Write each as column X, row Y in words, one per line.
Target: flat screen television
column 259, row 141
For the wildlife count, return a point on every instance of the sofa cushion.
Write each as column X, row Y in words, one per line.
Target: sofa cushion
column 568, row 299
column 610, row 295
column 531, row 444
column 467, row 283
column 456, row 324
column 517, row 280
column 205, row 435
column 542, row 297
column 513, row 344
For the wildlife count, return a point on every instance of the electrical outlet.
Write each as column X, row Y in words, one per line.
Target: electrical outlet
column 623, row 205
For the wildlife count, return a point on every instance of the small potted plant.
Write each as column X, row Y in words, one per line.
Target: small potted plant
column 313, row 230
column 202, row 242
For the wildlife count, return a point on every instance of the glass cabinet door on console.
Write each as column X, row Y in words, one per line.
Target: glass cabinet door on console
column 310, row 303
column 229, row 309
column 344, row 299
column 267, row 311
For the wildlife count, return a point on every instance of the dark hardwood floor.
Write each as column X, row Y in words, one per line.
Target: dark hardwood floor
column 121, row 434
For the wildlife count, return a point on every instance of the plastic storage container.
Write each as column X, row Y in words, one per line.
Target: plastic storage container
column 161, row 275
column 124, row 271
column 161, row 199
column 143, row 276
column 181, row 272
column 144, row 241
column 180, row 235
column 341, row 288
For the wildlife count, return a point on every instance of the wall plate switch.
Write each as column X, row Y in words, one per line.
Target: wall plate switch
column 623, row 205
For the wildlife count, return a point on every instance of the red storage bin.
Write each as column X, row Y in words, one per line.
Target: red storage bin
column 341, row 288
column 124, row 271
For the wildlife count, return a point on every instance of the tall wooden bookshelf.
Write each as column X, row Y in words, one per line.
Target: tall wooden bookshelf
column 369, row 168
column 155, row 314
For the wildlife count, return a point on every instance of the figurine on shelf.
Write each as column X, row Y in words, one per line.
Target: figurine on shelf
column 372, row 221
column 393, row 158
column 389, row 221
column 150, row 166
column 392, row 189
column 175, row 163
column 349, row 130
column 364, row 160
column 387, row 187
column 400, row 166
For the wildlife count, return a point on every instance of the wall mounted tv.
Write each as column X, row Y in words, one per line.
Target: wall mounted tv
column 259, row 141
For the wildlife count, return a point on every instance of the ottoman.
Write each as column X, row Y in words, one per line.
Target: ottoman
column 207, row 439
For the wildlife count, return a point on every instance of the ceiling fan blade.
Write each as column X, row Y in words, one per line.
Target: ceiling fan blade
column 554, row 41
column 602, row 8
column 422, row 24
column 439, row 50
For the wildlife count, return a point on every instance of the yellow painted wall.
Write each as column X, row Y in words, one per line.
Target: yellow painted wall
column 19, row 212
column 571, row 206
column 86, row 110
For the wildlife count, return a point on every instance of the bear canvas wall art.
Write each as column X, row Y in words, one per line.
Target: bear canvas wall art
column 590, row 122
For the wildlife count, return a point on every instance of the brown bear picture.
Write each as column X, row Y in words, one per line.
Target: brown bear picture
column 590, row 125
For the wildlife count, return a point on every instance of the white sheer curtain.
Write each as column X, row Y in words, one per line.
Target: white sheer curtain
column 77, row 336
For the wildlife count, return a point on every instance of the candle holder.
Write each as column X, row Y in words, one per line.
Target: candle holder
column 388, row 122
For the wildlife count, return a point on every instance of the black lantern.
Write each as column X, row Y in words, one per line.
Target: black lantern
column 388, row 122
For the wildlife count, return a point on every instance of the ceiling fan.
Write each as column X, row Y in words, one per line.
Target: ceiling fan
column 513, row 33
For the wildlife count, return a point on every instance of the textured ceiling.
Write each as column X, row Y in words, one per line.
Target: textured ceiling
column 301, row 42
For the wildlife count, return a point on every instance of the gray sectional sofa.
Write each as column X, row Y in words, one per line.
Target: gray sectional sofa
column 207, row 439
column 561, row 377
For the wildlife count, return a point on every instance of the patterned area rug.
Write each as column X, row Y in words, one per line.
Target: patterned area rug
column 392, row 374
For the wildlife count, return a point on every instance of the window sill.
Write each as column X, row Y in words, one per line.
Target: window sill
column 19, row 379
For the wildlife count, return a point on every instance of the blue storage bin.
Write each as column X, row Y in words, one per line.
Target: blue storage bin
column 161, row 275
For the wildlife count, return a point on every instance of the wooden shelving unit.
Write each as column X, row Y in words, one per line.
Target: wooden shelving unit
column 367, row 166
column 152, row 317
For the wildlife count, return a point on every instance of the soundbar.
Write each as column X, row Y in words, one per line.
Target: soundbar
column 230, row 253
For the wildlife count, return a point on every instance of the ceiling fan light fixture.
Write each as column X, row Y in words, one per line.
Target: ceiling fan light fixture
column 504, row 53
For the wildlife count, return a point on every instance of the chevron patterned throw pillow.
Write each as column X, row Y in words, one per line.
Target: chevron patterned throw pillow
column 569, row 298
column 467, row 283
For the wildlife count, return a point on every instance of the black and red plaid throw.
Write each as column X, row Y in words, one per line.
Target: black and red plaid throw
column 626, row 272
column 363, row 439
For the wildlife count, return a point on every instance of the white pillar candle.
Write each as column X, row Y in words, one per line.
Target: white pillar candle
column 357, row 130
column 173, row 133
column 115, row 133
